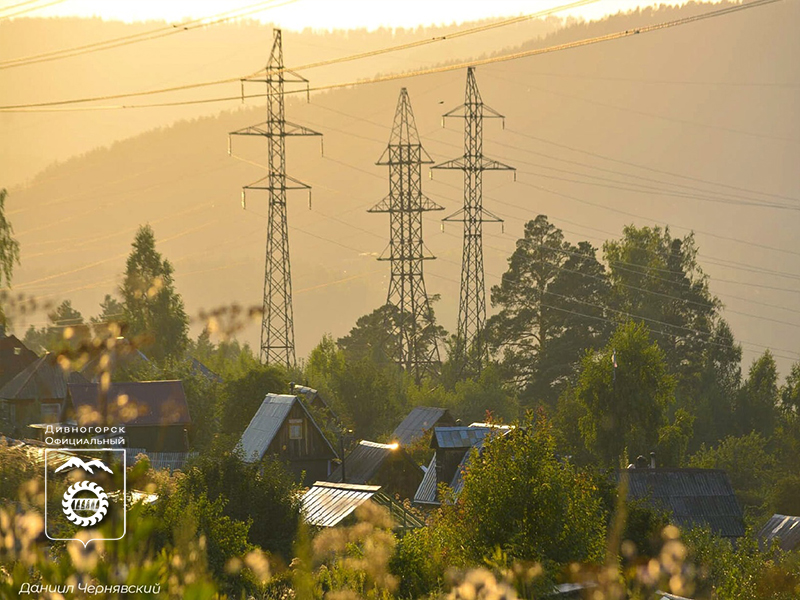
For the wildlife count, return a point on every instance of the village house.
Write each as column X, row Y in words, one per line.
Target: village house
column 37, row 394
column 283, row 427
column 155, row 413
column 692, row 497
column 385, row 465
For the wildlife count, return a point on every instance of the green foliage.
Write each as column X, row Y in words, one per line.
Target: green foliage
column 66, row 330
column 262, row 494
column 757, row 403
column 623, row 410
column 9, row 249
column 153, row 310
column 790, row 392
column 485, row 399
column 747, row 463
column 547, row 299
column 673, row 439
column 519, row 497
column 655, row 276
column 242, row 396
column 229, row 359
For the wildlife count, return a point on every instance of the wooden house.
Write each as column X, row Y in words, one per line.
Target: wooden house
column 37, row 394
column 284, row 427
column 385, row 465
column 155, row 413
column 14, row 357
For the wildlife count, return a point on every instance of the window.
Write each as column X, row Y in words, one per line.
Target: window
column 51, row 412
column 295, row 429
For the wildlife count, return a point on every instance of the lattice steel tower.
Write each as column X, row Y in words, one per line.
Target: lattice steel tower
column 472, row 304
column 277, row 325
column 413, row 328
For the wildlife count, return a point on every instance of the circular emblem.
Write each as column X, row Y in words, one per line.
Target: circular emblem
column 94, row 505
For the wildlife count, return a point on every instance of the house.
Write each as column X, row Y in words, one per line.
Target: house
column 784, row 529
column 155, row 413
column 691, row 496
column 328, row 504
column 284, row 427
column 36, row 394
column 419, row 422
column 453, row 446
column 386, row 465
column 14, row 357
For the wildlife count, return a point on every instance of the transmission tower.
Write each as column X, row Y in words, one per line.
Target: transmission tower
column 412, row 326
column 277, row 325
column 472, row 304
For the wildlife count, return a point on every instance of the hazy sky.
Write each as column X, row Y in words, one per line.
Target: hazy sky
column 323, row 14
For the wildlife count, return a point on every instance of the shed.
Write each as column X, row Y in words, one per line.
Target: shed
column 419, row 422
column 785, row 529
column 328, row 504
column 386, row 465
column 691, row 496
column 283, row 427
column 37, row 393
column 155, row 413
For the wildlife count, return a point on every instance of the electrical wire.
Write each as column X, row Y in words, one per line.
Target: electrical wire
column 39, row 106
column 144, row 36
column 31, row 9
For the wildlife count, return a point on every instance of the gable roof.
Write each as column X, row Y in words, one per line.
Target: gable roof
column 14, row 357
column 420, row 420
column 133, row 403
column 266, row 423
column 426, row 492
column 692, row 496
column 785, row 529
column 366, row 459
column 327, row 504
column 43, row 379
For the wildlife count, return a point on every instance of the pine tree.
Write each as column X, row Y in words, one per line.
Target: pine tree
column 153, row 310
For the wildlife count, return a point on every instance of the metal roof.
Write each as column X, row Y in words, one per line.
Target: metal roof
column 266, row 423
column 160, row 460
column 785, row 529
column 420, row 420
column 426, row 492
column 692, row 496
column 364, row 461
column 43, row 379
column 133, row 403
column 327, row 504
column 458, row 437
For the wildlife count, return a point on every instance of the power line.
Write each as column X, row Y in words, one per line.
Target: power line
column 307, row 66
column 31, row 107
column 143, row 36
column 27, row 10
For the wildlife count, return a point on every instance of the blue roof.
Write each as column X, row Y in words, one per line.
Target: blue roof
column 458, row 437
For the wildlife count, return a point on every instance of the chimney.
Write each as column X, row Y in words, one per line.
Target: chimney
column 653, row 460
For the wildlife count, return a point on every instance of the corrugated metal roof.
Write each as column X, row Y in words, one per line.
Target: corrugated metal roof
column 43, row 379
column 266, row 423
column 426, row 492
column 364, row 461
column 458, row 437
column 785, row 529
column 161, row 460
column 134, row 403
column 420, row 420
column 692, row 496
column 328, row 504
